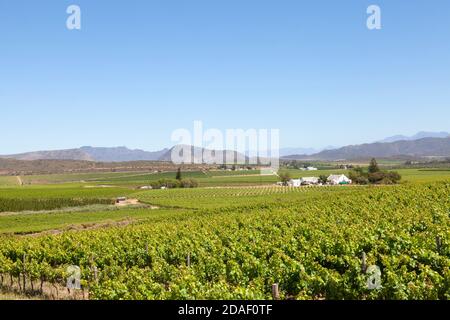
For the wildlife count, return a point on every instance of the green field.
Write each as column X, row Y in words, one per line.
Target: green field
column 205, row 178
column 234, row 196
column 241, row 232
column 63, row 191
column 130, row 179
column 6, row 181
column 38, row 222
column 424, row 175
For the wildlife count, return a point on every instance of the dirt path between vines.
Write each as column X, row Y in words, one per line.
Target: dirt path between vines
column 83, row 227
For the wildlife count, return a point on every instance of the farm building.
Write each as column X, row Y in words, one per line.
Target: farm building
column 121, row 199
column 336, row 179
column 309, row 169
column 307, row 181
column 294, row 183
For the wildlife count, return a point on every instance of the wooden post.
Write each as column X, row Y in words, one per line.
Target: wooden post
column 24, row 271
column 275, row 292
column 146, row 248
column 94, row 270
column 95, row 274
column 363, row 262
column 42, row 285
column 189, row 260
column 438, row 243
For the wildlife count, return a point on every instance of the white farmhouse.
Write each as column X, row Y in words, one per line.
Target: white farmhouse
column 336, row 179
column 311, row 169
column 294, row 183
column 307, row 181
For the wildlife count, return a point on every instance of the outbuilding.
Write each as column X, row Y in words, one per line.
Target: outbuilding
column 308, row 181
column 337, row 179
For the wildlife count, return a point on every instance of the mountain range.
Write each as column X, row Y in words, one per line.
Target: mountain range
column 417, row 136
column 423, row 144
column 118, row 154
column 308, row 151
column 426, row 147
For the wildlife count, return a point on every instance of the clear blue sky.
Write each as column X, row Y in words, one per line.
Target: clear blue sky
column 140, row 69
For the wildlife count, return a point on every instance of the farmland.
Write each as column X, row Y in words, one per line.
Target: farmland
column 231, row 238
column 209, row 178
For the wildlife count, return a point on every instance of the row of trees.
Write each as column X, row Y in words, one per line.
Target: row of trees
column 179, row 182
column 170, row 184
column 285, row 177
column 374, row 175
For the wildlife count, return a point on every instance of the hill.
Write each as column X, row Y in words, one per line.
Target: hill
column 426, row 147
column 118, row 154
column 417, row 136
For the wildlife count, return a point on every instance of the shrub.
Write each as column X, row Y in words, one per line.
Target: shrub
column 374, row 175
column 188, row 183
column 171, row 184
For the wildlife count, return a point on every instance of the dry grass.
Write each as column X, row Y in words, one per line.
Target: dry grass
column 13, row 291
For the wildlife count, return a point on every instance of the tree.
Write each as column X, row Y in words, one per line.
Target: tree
column 374, row 175
column 323, row 179
column 285, row 177
column 358, row 176
column 178, row 177
column 188, row 183
column 373, row 167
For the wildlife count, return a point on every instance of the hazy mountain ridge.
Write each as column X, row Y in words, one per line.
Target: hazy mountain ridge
column 120, row 154
column 66, row 154
column 438, row 146
column 117, row 154
column 426, row 147
column 417, row 136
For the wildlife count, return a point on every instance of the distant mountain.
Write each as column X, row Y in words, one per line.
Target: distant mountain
column 120, row 154
column 426, row 147
column 305, row 151
column 417, row 136
column 289, row 151
column 116, row 154
column 68, row 154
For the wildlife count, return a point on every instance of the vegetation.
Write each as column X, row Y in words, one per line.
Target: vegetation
column 15, row 205
column 285, row 177
column 312, row 248
column 323, row 179
column 49, row 198
column 242, row 197
column 374, row 175
column 230, row 242
column 170, row 184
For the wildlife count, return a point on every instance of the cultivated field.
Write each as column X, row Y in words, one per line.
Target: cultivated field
column 231, row 238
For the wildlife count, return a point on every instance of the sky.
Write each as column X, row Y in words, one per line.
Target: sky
column 138, row 70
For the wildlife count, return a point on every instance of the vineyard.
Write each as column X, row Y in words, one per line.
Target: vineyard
column 314, row 243
column 233, row 196
column 48, row 198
